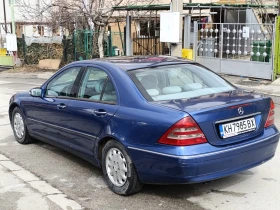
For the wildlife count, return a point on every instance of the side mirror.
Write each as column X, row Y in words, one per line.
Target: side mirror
column 36, row 92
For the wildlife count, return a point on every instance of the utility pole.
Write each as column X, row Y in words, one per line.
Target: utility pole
column 177, row 6
column 13, row 16
column 278, row 7
column 87, row 11
column 5, row 18
column 276, row 68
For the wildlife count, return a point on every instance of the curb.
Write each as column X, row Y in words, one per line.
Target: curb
column 258, row 90
column 21, row 76
column 275, row 97
column 33, row 182
column 27, row 76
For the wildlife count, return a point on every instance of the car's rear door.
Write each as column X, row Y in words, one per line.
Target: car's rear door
column 50, row 112
column 89, row 112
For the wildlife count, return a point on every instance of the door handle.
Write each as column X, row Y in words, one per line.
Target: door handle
column 100, row 112
column 61, row 106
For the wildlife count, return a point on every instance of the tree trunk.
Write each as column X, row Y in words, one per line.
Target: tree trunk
column 100, row 42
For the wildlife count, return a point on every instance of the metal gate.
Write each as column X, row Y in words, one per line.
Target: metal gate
column 149, row 45
column 236, row 48
column 83, row 44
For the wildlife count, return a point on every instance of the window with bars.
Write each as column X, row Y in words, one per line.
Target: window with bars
column 149, row 28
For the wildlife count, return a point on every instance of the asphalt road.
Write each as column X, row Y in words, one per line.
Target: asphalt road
column 81, row 183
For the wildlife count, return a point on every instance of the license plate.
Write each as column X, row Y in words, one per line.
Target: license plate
column 237, row 127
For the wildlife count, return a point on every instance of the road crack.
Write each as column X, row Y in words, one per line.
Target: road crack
column 235, row 194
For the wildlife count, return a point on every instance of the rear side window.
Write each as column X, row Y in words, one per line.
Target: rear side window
column 97, row 86
column 178, row 82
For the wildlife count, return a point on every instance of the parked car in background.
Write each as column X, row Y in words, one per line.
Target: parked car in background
column 148, row 120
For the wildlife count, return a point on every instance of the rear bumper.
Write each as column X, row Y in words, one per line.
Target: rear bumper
column 155, row 167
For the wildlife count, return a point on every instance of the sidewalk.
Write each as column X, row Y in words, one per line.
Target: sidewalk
column 16, row 194
column 257, row 85
column 20, row 189
column 43, row 75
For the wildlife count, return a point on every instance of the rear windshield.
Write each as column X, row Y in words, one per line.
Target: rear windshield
column 178, row 82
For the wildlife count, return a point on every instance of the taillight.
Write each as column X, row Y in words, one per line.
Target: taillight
column 270, row 117
column 183, row 133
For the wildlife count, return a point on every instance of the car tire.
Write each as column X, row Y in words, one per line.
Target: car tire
column 118, row 169
column 19, row 127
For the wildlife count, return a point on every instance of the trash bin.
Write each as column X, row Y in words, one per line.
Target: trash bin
column 187, row 53
column 261, row 47
column 115, row 51
column 3, row 51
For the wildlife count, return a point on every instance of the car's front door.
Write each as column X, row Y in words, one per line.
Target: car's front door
column 50, row 111
column 89, row 112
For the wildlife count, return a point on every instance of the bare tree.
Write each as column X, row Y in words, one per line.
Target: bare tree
column 91, row 14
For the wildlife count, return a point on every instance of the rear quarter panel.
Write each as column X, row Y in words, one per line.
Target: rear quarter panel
column 134, row 126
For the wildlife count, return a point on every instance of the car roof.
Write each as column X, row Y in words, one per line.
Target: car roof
column 136, row 62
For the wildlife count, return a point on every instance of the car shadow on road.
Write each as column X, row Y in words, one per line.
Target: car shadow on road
column 198, row 189
column 169, row 191
column 73, row 158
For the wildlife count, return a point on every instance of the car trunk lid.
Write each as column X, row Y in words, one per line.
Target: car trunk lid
column 216, row 113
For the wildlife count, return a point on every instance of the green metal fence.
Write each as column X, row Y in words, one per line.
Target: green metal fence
column 85, row 44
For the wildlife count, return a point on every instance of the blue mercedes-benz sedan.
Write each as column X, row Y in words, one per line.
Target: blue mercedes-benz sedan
column 158, row 120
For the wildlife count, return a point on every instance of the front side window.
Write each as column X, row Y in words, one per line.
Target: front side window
column 62, row 84
column 97, row 86
column 178, row 82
